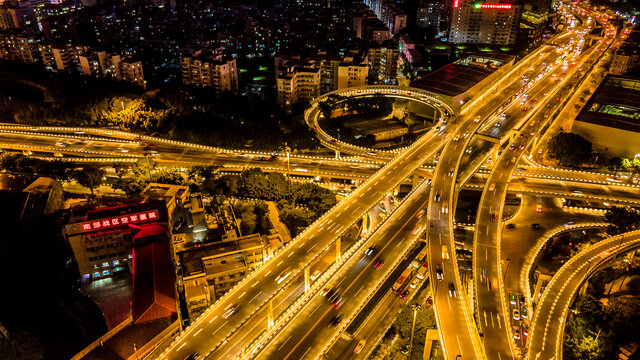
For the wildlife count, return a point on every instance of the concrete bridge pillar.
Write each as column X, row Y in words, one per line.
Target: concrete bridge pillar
column 270, row 320
column 337, row 154
column 307, row 281
column 338, row 246
column 495, row 153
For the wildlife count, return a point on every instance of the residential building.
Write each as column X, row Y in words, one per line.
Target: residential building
column 131, row 71
column 383, row 63
column 298, row 84
column 392, row 17
column 57, row 58
column 210, row 71
column 350, row 75
column 209, row 271
column 100, row 64
column 430, row 13
column 484, row 23
column 19, row 47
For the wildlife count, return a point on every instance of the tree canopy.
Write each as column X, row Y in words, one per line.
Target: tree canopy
column 621, row 219
column 570, row 149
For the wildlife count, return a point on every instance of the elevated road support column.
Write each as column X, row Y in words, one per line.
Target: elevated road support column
column 270, row 314
column 307, row 283
column 338, row 246
column 337, row 154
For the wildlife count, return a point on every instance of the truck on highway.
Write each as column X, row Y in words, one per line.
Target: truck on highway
column 404, row 280
column 422, row 271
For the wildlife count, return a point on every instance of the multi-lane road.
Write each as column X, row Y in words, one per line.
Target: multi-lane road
column 276, row 313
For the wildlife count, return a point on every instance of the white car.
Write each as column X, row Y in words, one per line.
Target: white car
column 283, row 276
column 445, row 252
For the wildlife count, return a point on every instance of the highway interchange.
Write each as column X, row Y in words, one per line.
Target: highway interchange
column 277, row 312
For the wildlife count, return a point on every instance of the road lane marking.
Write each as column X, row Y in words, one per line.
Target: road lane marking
column 290, row 253
column 255, row 296
column 498, row 319
column 284, row 342
column 492, row 323
column 267, row 273
column 181, row 346
column 311, row 248
column 460, row 347
column 486, row 254
column 305, row 353
column 197, row 332
column 213, row 318
column 280, row 263
column 449, row 303
column 358, row 292
column 440, row 237
column 242, row 295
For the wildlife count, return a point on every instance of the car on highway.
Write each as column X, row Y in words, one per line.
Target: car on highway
column 522, row 300
column 414, row 283
column 230, row 310
column 439, row 272
column 525, row 330
column 511, row 226
column 451, row 172
column 539, row 208
column 469, row 150
column 370, row 250
column 61, row 144
column 315, row 275
column 483, row 277
column 524, row 313
column 516, row 314
column 429, row 301
column 516, row 332
column 437, row 197
column 194, row 356
column 360, row 346
column 283, row 276
column 404, row 294
column 498, row 124
column 335, row 320
column 445, row 209
column 420, row 214
column 338, row 303
column 379, row 263
column 521, row 146
column 512, row 299
column 535, row 226
column 452, row 290
column 492, row 187
column 445, row 252
column 513, row 159
column 333, row 295
column 493, row 217
column 405, row 349
column 416, row 230
column 512, row 146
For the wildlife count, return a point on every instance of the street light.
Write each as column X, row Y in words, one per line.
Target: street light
column 415, row 308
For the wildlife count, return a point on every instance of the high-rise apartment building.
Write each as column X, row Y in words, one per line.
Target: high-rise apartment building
column 213, row 72
column 58, row 57
column 350, row 75
column 484, row 23
column 100, row 64
column 19, row 48
column 298, row 84
column 383, row 63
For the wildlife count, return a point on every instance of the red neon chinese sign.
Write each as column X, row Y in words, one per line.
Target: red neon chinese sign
column 119, row 220
column 496, row 6
column 456, row 3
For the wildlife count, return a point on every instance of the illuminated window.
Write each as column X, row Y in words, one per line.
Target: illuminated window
column 106, row 272
column 96, row 274
column 116, row 262
column 105, row 264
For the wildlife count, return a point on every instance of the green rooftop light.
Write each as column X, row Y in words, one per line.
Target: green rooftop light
column 476, row 5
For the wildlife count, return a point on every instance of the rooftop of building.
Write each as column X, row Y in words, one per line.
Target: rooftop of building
column 164, row 191
column 191, row 259
column 224, row 264
column 456, row 78
column 615, row 103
